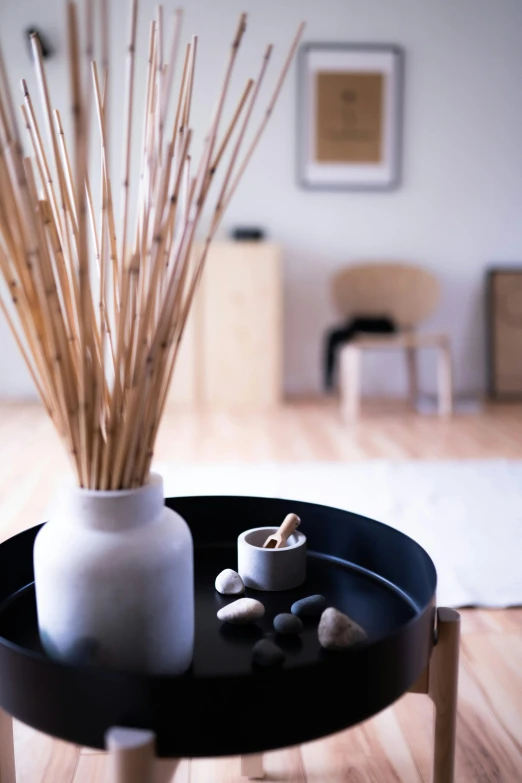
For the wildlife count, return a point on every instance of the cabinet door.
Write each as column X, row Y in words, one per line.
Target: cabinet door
column 242, row 326
column 505, row 333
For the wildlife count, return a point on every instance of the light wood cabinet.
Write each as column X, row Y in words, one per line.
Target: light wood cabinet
column 231, row 352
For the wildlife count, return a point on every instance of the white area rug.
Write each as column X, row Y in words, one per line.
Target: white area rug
column 466, row 514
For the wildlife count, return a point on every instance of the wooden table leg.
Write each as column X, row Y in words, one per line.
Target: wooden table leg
column 440, row 682
column 7, row 759
column 443, row 690
column 131, row 755
column 252, row 767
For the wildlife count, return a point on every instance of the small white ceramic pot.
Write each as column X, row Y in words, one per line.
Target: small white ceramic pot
column 271, row 569
column 114, row 581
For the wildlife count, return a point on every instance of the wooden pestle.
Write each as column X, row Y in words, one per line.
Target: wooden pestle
column 289, row 524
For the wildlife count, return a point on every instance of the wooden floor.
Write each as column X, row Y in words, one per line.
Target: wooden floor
column 395, row 746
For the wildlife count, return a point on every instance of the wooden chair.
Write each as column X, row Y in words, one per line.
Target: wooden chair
column 408, row 295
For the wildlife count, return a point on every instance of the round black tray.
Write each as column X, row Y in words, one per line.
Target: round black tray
column 224, row 705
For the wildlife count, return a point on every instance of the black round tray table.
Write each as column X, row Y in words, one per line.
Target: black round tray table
column 381, row 578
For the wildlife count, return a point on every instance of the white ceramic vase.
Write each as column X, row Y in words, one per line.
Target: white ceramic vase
column 114, row 581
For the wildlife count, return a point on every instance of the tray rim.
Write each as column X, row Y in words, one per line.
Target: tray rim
column 418, row 609
column 409, row 644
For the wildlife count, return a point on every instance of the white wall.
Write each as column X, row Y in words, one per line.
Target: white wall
column 460, row 205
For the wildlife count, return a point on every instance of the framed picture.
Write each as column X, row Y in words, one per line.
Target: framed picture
column 350, row 116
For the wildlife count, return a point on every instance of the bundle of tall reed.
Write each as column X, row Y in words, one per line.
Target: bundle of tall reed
column 97, row 306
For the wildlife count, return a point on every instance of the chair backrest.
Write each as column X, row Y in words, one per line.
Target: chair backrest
column 405, row 293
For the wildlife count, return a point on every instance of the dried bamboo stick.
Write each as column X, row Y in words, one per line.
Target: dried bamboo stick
column 104, row 37
column 107, row 186
column 28, row 361
column 141, row 228
column 68, row 285
column 268, row 113
column 54, row 339
column 104, row 327
column 231, row 127
column 39, row 150
column 129, row 96
column 171, row 67
column 71, row 205
column 85, row 330
column 226, row 179
column 17, row 276
column 160, row 78
column 21, row 246
column 187, row 103
column 103, row 368
column 11, row 125
column 46, row 103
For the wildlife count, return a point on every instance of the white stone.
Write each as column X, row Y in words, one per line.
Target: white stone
column 242, row 611
column 228, row 582
column 337, row 631
column 114, row 580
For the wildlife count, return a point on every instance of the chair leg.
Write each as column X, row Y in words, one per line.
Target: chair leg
column 413, row 385
column 350, row 382
column 7, row 758
column 252, row 767
column 445, row 379
column 131, row 755
column 440, row 682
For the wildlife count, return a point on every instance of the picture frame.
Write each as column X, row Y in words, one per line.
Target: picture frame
column 349, row 116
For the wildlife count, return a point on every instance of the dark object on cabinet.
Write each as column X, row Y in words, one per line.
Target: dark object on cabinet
column 247, row 234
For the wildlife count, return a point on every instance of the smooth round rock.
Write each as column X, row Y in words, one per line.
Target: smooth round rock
column 287, row 624
column 310, row 607
column 337, row 631
column 266, row 653
column 242, row 611
column 228, row 582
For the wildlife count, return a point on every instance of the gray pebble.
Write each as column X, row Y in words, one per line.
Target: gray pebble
column 337, row 631
column 244, row 610
column 310, row 607
column 287, row 624
column 228, row 582
column 266, row 653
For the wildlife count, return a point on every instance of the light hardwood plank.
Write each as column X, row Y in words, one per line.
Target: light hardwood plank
column 485, row 751
column 279, row 765
column 375, row 751
column 499, row 621
column 42, row 759
column 284, row 765
column 222, row 770
column 7, row 753
column 495, row 661
column 92, row 769
column 95, row 768
column 394, row 746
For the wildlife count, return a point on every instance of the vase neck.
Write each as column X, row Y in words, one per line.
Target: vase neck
column 112, row 510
